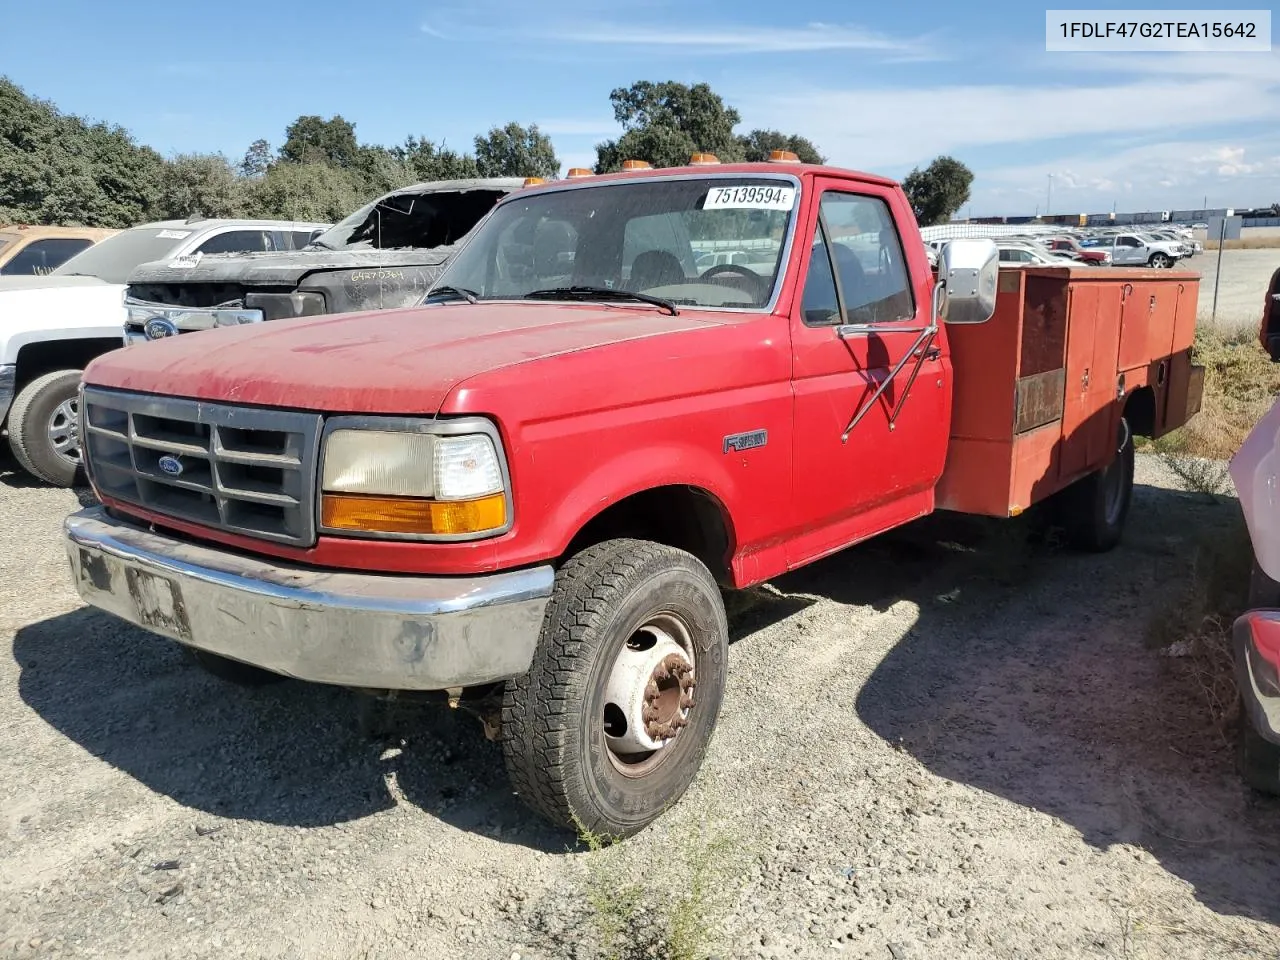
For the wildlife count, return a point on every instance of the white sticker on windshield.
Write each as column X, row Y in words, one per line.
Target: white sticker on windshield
column 173, row 234
column 184, row 263
column 754, row 197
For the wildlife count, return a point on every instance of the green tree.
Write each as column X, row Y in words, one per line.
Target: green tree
column 430, row 162
column 256, row 159
column 758, row 144
column 312, row 139
column 939, row 190
column 203, row 184
column 305, row 191
column 514, row 151
column 56, row 168
column 664, row 123
column 381, row 169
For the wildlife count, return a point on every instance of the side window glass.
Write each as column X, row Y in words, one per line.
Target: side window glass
column 867, row 254
column 819, row 303
column 41, row 256
column 236, row 241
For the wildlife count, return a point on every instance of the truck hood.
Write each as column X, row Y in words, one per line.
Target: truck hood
column 389, row 362
column 283, row 269
column 73, row 308
column 47, row 282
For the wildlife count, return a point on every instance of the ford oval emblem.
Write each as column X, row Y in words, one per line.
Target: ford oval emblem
column 171, row 465
column 157, row 328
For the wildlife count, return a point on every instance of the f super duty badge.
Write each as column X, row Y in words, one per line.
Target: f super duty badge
column 738, row 442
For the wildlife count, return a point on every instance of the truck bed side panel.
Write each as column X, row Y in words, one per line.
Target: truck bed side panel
column 1040, row 387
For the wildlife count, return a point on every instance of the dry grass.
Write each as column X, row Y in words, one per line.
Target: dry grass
column 1246, row 243
column 669, row 909
column 1195, row 626
column 1240, row 385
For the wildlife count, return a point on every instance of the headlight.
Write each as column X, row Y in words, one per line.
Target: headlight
column 416, row 479
column 278, row 306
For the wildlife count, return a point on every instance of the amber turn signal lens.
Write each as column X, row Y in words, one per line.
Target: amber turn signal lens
column 412, row 516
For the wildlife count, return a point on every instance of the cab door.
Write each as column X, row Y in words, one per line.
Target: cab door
column 857, row 326
column 1128, row 251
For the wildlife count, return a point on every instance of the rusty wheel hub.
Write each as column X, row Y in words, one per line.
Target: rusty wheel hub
column 649, row 691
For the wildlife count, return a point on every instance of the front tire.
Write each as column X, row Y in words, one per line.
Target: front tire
column 44, row 428
column 1093, row 510
column 633, row 654
column 1160, row 261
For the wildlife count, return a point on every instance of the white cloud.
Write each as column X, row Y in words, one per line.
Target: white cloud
column 1158, row 176
column 677, row 34
column 875, row 127
column 736, row 39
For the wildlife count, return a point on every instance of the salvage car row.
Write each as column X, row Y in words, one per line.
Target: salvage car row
column 158, row 279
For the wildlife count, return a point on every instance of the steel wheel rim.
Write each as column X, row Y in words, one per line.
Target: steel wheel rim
column 64, row 431
column 654, row 671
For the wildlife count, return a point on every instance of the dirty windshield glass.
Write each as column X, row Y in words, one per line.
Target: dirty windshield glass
column 704, row 241
column 411, row 220
column 114, row 259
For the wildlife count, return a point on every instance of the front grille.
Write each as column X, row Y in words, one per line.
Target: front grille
column 242, row 469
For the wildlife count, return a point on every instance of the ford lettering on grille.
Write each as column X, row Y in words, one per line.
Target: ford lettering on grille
column 157, row 328
column 245, row 470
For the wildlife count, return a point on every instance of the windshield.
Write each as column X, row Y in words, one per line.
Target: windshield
column 114, row 259
column 419, row 220
column 699, row 241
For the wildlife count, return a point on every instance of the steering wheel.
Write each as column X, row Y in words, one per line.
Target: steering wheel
column 756, row 286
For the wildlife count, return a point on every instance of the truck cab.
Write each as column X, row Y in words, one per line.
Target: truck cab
column 527, row 494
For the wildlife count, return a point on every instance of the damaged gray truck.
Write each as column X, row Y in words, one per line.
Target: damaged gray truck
column 386, row 254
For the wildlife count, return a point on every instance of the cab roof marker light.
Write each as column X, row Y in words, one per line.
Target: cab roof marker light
column 703, row 160
column 636, row 165
column 783, row 156
column 578, row 172
column 533, row 181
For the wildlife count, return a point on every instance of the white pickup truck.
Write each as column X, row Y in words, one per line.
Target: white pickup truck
column 1138, row 249
column 51, row 326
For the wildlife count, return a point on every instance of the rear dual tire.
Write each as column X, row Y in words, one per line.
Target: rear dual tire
column 1092, row 511
column 564, row 736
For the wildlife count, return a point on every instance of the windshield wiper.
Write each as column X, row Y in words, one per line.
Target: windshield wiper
column 453, row 293
column 600, row 293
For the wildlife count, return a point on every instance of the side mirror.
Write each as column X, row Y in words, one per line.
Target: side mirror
column 967, row 271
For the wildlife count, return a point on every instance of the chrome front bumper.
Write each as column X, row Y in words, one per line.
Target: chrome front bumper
column 374, row 631
column 8, row 377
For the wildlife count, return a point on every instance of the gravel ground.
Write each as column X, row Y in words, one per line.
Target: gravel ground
column 945, row 743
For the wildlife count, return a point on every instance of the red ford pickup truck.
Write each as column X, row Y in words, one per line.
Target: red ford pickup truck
column 530, row 491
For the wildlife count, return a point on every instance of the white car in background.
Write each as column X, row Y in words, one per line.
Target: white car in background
column 51, row 326
column 1030, row 254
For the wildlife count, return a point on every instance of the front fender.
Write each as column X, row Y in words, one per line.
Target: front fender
column 614, row 480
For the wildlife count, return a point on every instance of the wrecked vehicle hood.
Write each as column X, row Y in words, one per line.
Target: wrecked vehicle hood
column 402, row 362
column 282, row 269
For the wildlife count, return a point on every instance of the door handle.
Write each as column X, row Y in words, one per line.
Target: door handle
column 931, row 354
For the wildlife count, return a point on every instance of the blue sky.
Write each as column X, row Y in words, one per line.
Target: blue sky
column 878, row 86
